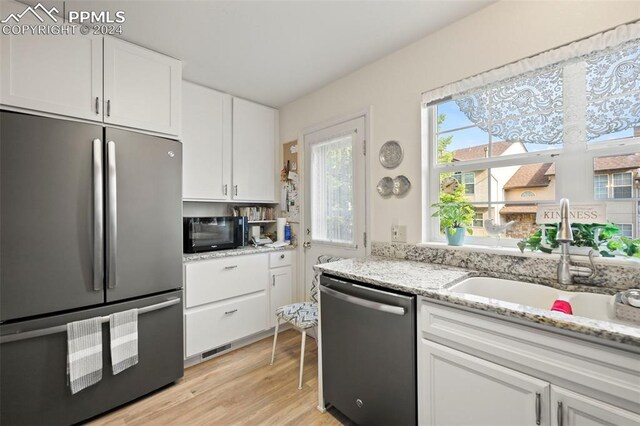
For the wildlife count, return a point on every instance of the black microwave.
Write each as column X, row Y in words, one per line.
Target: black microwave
column 214, row 233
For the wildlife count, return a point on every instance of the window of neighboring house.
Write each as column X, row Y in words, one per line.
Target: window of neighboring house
column 508, row 131
column 622, row 185
column 478, row 220
column 468, row 179
column 626, row 229
column 601, row 187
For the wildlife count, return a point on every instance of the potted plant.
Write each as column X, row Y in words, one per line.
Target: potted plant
column 603, row 238
column 455, row 218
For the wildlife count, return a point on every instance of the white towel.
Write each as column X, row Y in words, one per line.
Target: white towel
column 84, row 353
column 124, row 340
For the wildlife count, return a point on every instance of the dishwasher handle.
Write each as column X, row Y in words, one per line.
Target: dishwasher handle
column 396, row 310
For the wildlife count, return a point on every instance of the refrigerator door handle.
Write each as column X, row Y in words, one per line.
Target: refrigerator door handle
column 24, row 335
column 98, row 215
column 112, row 200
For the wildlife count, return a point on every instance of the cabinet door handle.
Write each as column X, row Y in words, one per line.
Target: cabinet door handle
column 282, row 256
column 559, row 413
column 225, row 189
column 108, row 107
column 273, row 280
column 538, row 408
column 97, row 105
column 231, row 267
column 233, row 311
column 235, row 189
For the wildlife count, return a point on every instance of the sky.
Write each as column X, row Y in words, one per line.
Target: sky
column 475, row 136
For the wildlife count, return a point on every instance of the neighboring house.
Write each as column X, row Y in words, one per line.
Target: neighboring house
column 615, row 178
column 476, row 183
column 533, row 182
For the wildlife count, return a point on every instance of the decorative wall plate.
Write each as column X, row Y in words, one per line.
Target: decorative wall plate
column 401, row 185
column 391, row 154
column 385, row 187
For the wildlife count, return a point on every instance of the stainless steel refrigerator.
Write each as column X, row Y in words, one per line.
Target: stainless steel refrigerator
column 90, row 224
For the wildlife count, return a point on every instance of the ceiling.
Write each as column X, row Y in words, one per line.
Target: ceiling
column 274, row 52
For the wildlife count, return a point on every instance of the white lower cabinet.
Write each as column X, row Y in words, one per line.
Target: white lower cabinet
column 477, row 370
column 572, row 409
column 230, row 298
column 281, row 287
column 465, row 390
column 214, row 325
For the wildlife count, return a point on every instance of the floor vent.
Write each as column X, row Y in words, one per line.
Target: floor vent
column 215, row 351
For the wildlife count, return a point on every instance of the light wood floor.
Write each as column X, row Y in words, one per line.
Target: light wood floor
column 238, row 388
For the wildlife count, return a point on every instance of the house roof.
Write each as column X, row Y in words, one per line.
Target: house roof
column 518, row 208
column 530, row 175
column 617, row 162
column 481, row 151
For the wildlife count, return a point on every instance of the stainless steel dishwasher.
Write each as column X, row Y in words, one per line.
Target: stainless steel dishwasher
column 368, row 352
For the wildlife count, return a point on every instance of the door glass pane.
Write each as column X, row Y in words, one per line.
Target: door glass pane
column 332, row 190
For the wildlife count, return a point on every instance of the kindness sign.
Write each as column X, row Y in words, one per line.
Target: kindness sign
column 578, row 213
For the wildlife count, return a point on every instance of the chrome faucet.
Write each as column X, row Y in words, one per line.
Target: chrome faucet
column 566, row 271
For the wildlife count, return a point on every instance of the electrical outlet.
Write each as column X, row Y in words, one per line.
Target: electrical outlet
column 399, row 234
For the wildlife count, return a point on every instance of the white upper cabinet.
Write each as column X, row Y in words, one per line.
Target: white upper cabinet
column 254, row 147
column 141, row 88
column 206, row 143
column 59, row 74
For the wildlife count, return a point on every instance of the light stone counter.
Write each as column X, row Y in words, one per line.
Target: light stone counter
column 433, row 280
column 194, row 257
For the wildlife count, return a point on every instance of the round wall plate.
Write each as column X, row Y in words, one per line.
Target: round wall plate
column 401, row 185
column 391, row 154
column 385, row 187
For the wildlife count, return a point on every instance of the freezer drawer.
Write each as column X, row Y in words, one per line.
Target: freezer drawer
column 33, row 383
column 368, row 353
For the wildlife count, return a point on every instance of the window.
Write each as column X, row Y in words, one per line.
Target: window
column 622, row 185
column 601, row 187
column 478, row 220
column 466, row 179
column 332, row 190
column 512, row 138
column 626, row 229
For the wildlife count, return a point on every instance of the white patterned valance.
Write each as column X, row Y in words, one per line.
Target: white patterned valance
column 535, row 100
column 527, row 108
column 613, row 89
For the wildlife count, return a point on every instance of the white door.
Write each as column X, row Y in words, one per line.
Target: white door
column 59, row 74
column 335, row 193
column 572, row 409
column 457, row 389
column 206, row 143
column 141, row 88
column 254, row 147
column 280, row 291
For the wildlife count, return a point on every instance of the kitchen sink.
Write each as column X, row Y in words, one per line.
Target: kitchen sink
column 588, row 305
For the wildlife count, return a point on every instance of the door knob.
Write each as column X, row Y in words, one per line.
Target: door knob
column 306, row 244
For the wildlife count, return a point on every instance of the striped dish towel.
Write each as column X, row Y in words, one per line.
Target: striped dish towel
column 124, row 340
column 84, row 353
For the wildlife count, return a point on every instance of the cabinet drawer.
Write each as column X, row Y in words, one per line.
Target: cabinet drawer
column 218, row 279
column 208, row 327
column 280, row 258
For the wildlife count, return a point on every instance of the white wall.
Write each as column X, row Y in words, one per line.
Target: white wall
column 501, row 33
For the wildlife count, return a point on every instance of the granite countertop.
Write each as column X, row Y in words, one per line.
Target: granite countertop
column 434, row 280
column 194, row 257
